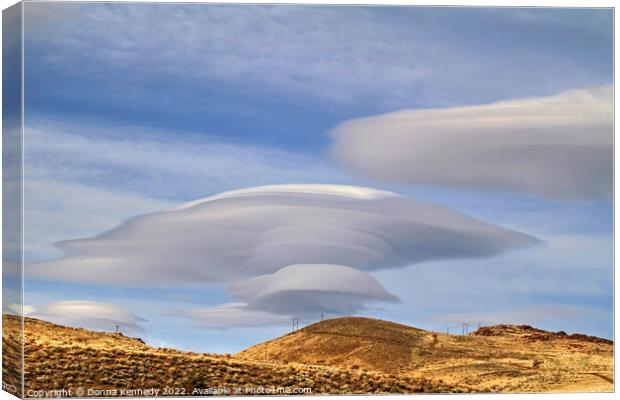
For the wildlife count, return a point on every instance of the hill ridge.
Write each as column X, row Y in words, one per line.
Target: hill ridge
column 506, row 356
column 343, row 355
column 58, row 356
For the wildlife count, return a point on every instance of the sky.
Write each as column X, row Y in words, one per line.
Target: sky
column 199, row 174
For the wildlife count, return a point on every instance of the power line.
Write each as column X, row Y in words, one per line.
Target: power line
column 465, row 327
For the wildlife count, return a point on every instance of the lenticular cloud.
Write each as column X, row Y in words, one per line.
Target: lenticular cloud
column 311, row 288
column 90, row 314
column 256, row 232
column 558, row 146
column 300, row 290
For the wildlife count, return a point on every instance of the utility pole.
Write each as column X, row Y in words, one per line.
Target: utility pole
column 117, row 328
column 295, row 323
column 465, row 327
column 448, row 330
column 322, row 316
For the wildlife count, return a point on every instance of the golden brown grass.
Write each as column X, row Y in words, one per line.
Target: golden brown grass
column 70, row 358
column 11, row 355
column 503, row 358
column 344, row 355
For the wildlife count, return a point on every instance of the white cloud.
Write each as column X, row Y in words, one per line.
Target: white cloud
column 233, row 315
column 558, row 146
column 257, row 232
column 309, row 288
column 17, row 309
column 354, row 192
column 284, row 250
column 88, row 314
column 301, row 290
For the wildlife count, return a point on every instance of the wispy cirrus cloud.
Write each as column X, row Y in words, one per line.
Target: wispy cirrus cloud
column 155, row 163
column 230, row 315
column 387, row 57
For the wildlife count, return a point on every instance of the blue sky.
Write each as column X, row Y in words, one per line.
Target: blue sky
column 136, row 108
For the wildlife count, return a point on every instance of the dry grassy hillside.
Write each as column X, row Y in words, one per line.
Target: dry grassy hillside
column 500, row 358
column 344, row 355
column 356, row 342
column 11, row 355
column 62, row 357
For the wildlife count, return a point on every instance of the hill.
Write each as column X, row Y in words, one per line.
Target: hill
column 506, row 358
column 344, row 355
column 101, row 364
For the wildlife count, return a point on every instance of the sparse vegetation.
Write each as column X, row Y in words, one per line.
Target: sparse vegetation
column 502, row 358
column 58, row 356
column 349, row 355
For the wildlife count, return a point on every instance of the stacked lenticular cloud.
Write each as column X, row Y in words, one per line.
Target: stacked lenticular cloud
column 280, row 250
